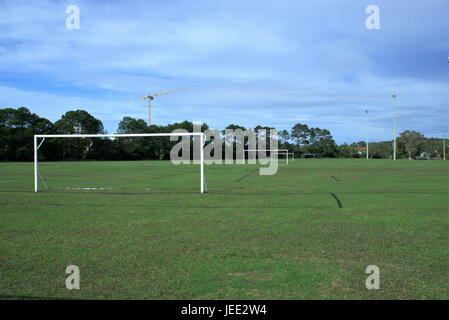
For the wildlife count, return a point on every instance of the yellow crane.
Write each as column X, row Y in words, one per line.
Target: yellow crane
column 151, row 97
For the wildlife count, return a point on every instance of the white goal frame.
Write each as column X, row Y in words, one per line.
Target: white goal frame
column 287, row 153
column 277, row 151
column 304, row 155
column 117, row 135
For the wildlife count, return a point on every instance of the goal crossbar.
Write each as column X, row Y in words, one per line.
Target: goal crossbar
column 117, row 135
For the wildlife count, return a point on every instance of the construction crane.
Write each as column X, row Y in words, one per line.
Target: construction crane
column 151, row 97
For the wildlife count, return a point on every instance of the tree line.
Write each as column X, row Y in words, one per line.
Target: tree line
column 410, row 144
column 18, row 126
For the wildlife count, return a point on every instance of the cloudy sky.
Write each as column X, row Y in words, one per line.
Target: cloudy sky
column 273, row 63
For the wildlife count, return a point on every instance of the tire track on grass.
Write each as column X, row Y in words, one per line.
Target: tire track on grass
column 335, row 178
column 246, row 175
column 336, row 199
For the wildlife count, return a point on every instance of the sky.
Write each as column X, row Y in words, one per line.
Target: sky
column 269, row 63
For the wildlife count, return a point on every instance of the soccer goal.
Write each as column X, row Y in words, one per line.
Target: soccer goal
column 308, row 155
column 38, row 144
column 286, row 153
column 272, row 153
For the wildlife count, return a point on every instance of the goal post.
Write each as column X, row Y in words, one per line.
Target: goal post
column 118, row 135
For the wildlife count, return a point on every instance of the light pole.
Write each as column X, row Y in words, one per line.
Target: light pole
column 394, row 130
column 367, row 143
column 444, row 147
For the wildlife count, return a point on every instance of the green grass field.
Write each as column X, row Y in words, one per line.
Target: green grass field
column 308, row 232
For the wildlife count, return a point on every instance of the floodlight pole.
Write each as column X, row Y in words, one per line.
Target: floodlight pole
column 35, row 164
column 444, row 147
column 202, row 137
column 394, row 130
column 367, row 143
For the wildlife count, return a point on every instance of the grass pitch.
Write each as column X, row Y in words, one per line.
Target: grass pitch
column 308, row 232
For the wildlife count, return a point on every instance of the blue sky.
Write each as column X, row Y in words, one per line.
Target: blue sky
column 273, row 63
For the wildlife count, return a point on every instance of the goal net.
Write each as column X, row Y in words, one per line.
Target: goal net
column 153, row 176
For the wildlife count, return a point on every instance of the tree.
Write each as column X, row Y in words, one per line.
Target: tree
column 314, row 135
column 409, row 142
column 380, row 150
column 21, row 120
column 266, row 135
column 285, row 136
column 300, row 133
column 433, row 147
column 323, row 143
column 234, row 143
column 17, row 128
column 344, row 151
column 78, row 122
column 131, row 125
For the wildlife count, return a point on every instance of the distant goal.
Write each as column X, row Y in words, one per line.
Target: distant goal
column 311, row 155
column 282, row 152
